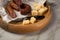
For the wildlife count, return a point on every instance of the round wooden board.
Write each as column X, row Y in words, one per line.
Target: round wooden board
column 19, row 28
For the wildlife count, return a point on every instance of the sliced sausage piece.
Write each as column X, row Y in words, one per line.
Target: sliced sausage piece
column 18, row 2
column 25, row 9
column 14, row 6
column 10, row 11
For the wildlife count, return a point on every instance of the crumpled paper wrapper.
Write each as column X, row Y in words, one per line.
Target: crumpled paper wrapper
column 6, row 18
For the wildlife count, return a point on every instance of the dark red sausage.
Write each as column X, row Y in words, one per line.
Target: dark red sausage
column 18, row 2
column 25, row 9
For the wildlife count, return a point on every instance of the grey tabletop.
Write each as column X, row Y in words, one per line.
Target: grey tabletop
column 51, row 32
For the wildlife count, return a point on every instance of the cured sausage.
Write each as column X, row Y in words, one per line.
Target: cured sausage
column 10, row 11
column 14, row 6
column 18, row 2
column 25, row 9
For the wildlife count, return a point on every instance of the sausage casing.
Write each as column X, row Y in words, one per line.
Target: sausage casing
column 10, row 11
column 14, row 6
column 18, row 2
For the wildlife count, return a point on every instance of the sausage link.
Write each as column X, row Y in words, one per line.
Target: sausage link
column 14, row 6
column 25, row 9
column 10, row 11
column 18, row 2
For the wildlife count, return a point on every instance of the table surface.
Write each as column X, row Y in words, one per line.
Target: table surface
column 51, row 32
